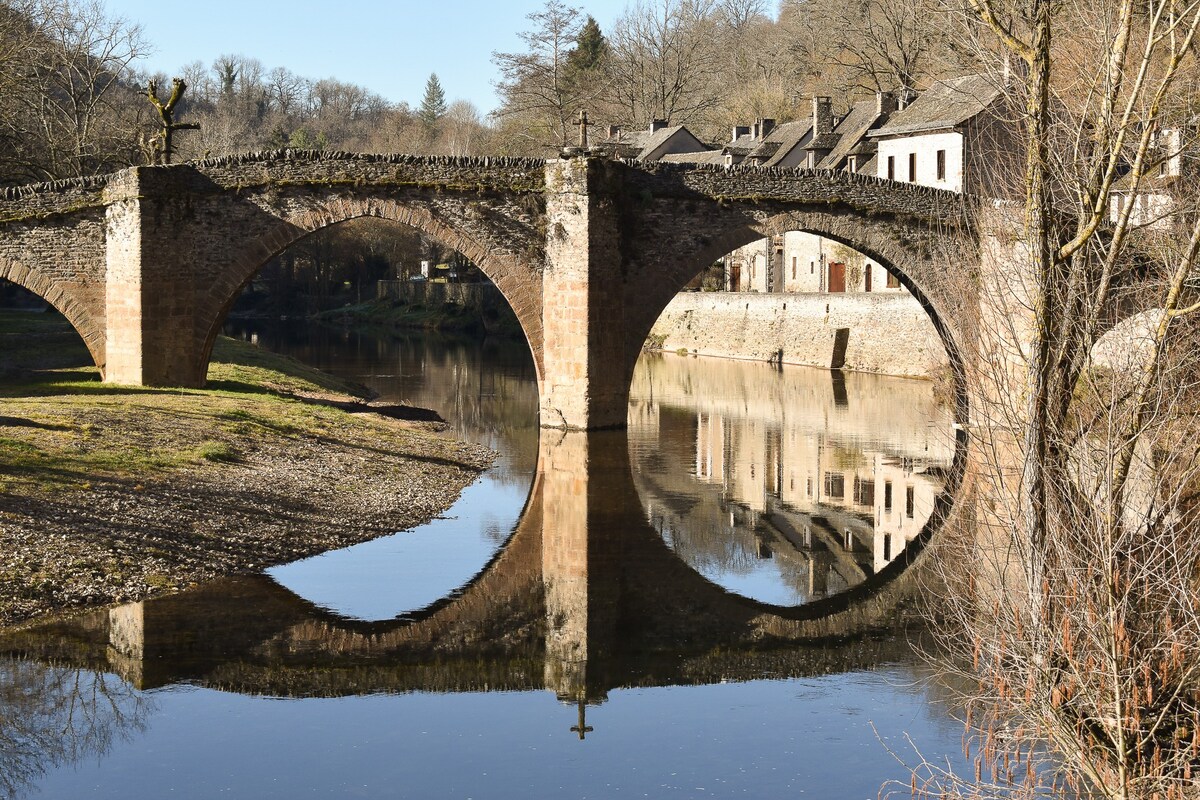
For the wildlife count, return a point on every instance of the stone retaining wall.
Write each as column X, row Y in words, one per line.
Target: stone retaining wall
column 886, row 333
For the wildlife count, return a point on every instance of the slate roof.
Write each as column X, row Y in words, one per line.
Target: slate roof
column 702, row 157
column 655, row 140
column 789, row 135
column 626, row 144
column 945, row 104
column 851, row 132
column 742, row 146
column 641, row 145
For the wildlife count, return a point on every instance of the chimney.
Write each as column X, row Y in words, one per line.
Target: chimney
column 1014, row 70
column 822, row 116
column 739, row 131
column 657, row 125
column 885, row 103
column 614, row 131
column 765, row 126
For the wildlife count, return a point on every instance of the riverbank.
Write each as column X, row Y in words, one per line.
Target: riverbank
column 112, row 494
column 882, row 333
column 388, row 314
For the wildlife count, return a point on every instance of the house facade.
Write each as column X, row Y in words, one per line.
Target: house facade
column 950, row 137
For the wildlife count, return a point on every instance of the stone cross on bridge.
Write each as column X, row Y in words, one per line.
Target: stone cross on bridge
column 146, row 262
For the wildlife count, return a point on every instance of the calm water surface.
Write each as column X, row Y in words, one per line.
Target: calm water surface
column 588, row 620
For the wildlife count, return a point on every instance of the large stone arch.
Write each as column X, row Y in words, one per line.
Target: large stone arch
column 81, row 303
column 298, row 222
column 919, row 257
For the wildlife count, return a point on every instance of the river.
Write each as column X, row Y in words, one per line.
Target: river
column 600, row 615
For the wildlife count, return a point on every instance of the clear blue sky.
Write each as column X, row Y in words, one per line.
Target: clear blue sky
column 388, row 47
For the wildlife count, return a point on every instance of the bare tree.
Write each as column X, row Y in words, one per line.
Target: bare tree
column 1074, row 605
column 68, row 108
column 536, row 86
column 879, row 45
column 668, row 61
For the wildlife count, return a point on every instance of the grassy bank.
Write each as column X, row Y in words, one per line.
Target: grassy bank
column 112, row 493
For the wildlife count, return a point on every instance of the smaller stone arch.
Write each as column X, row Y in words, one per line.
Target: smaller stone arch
column 512, row 278
column 81, row 303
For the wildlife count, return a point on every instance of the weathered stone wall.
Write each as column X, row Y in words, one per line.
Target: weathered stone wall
column 888, row 334
column 869, row 194
column 681, row 219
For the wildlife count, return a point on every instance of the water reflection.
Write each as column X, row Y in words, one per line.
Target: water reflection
column 789, row 485
column 487, row 393
column 584, row 598
column 611, row 566
column 53, row 715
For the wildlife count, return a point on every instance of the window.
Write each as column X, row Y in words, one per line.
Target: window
column 941, row 165
column 887, row 547
column 912, row 167
column 835, row 485
column 887, row 495
column 910, row 502
column 864, row 492
column 793, row 268
column 852, row 164
column 891, row 168
column 812, row 268
column 892, row 281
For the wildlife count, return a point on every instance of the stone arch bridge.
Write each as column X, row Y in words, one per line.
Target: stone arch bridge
column 145, row 263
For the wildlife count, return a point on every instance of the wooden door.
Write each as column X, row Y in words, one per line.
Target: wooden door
column 837, row 276
column 867, row 278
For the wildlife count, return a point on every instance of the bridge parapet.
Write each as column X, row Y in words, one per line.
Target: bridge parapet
column 588, row 251
column 41, row 201
column 866, row 193
column 312, row 167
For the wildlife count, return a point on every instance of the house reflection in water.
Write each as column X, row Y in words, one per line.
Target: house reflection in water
column 791, row 478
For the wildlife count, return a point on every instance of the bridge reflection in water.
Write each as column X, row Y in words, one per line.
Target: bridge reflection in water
column 585, row 596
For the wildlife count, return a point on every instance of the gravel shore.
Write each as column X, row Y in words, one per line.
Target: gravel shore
column 115, row 540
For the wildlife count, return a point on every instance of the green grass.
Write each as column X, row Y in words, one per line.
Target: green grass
column 62, row 428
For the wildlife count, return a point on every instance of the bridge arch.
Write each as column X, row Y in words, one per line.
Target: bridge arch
column 82, row 305
column 255, row 251
column 921, row 264
column 921, row 258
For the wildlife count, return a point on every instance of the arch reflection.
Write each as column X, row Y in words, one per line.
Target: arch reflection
column 786, row 485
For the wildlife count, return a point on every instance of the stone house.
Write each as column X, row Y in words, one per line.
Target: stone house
column 953, row 136
column 1155, row 199
column 652, row 144
column 797, row 261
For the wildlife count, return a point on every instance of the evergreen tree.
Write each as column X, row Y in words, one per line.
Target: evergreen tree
column 591, row 48
column 433, row 105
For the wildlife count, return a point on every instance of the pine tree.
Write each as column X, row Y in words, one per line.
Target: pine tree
column 591, row 48
column 433, row 105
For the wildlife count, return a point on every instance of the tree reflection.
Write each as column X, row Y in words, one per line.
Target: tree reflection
column 56, row 715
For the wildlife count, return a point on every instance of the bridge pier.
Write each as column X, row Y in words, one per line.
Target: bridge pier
column 150, row 284
column 585, row 383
